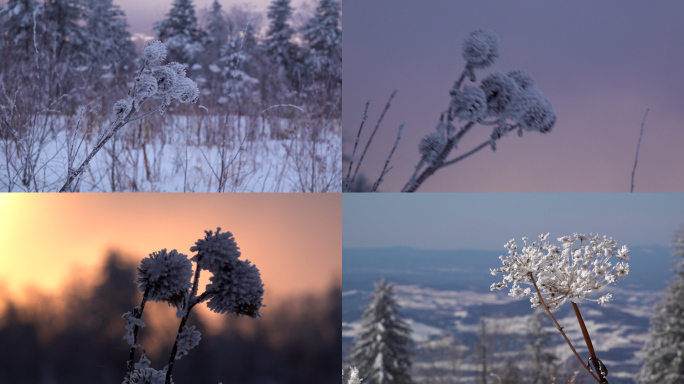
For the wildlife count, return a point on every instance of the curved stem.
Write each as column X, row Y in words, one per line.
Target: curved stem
column 541, row 300
column 474, row 150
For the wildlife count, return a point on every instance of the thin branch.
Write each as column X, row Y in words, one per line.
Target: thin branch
column 138, row 315
column 475, row 150
column 389, row 158
column 356, row 171
column 347, row 180
column 636, row 158
column 548, row 311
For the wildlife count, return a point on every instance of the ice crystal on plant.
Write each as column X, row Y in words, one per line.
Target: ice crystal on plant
column 154, row 52
column 522, row 78
column 533, row 111
column 187, row 340
column 166, row 78
column 469, row 104
column 166, row 276
column 145, row 86
column 499, row 90
column 131, row 323
column 581, row 266
column 216, row 250
column 431, row 146
column 237, row 289
column 186, row 91
column 481, row 48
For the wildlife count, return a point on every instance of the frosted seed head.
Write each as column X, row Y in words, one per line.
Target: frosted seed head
column 216, row 250
column 166, row 276
column 533, row 111
column 236, row 289
column 431, row 146
column 154, row 52
column 499, row 90
column 522, row 78
column 145, row 86
column 123, row 107
column 178, row 68
column 481, row 48
column 469, row 104
column 166, row 79
column 186, row 91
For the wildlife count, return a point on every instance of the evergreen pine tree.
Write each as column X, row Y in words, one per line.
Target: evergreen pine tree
column 381, row 351
column 180, row 32
column 217, row 28
column 537, row 342
column 324, row 36
column 278, row 38
column 664, row 352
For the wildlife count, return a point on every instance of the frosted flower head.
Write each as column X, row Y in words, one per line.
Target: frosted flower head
column 178, row 68
column 469, row 104
column 499, row 90
column 166, row 276
column 236, row 289
column 533, row 111
column 123, row 107
column 522, row 78
column 186, row 91
column 481, row 48
column 188, row 339
column 431, row 146
column 581, row 266
column 166, row 79
column 215, row 251
column 154, row 52
column 145, row 86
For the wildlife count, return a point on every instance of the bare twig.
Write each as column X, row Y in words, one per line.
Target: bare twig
column 347, row 179
column 389, row 158
column 370, row 139
column 636, row 158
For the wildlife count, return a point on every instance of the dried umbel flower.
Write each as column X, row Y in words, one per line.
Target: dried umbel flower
column 165, row 276
column 469, row 104
column 431, row 146
column 499, row 90
column 216, row 250
column 145, row 86
column 563, row 273
column 481, row 48
column 154, row 52
column 236, row 289
column 166, row 79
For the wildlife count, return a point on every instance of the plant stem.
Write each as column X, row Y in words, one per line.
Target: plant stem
column 138, row 315
column 636, row 158
column 590, row 346
column 189, row 304
column 541, row 300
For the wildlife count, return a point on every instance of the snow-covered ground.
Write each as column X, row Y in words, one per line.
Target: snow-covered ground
column 188, row 154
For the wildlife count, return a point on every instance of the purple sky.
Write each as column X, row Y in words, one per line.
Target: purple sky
column 601, row 64
column 486, row 221
column 142, row 14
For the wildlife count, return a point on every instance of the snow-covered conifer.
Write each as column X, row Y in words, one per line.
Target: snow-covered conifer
column 664, row 351
column 279, row 36
column 382, row 349
column 324, row 37
column 180, row 32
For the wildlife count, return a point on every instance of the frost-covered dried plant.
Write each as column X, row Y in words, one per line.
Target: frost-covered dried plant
column 166, row 83
column 353, row 376
column 582, row 265
column 507, row 102
column 235, row 288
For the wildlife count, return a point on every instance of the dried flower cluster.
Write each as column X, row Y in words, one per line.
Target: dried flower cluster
column 580, row 266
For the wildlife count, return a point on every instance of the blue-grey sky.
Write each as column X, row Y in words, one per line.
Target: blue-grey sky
column 600, row 63
column 486, row 221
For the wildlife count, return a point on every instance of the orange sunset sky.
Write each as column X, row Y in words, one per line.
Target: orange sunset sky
column 48, row 239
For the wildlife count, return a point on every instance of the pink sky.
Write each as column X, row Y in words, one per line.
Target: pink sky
column 601, row 65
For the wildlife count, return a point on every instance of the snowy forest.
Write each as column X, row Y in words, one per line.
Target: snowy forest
column 76, row 336
column 261, row 110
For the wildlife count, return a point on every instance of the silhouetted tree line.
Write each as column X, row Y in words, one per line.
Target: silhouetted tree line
column 81, row 340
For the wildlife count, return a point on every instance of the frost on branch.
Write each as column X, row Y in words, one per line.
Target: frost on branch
column 131, row 323
column 580, row 266
column 187, row 340
column 166, row 276
column 144, row 374
column 431, row 146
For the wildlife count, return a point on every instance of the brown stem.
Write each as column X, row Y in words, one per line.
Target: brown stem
column 541, row 300
column 590, row 346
